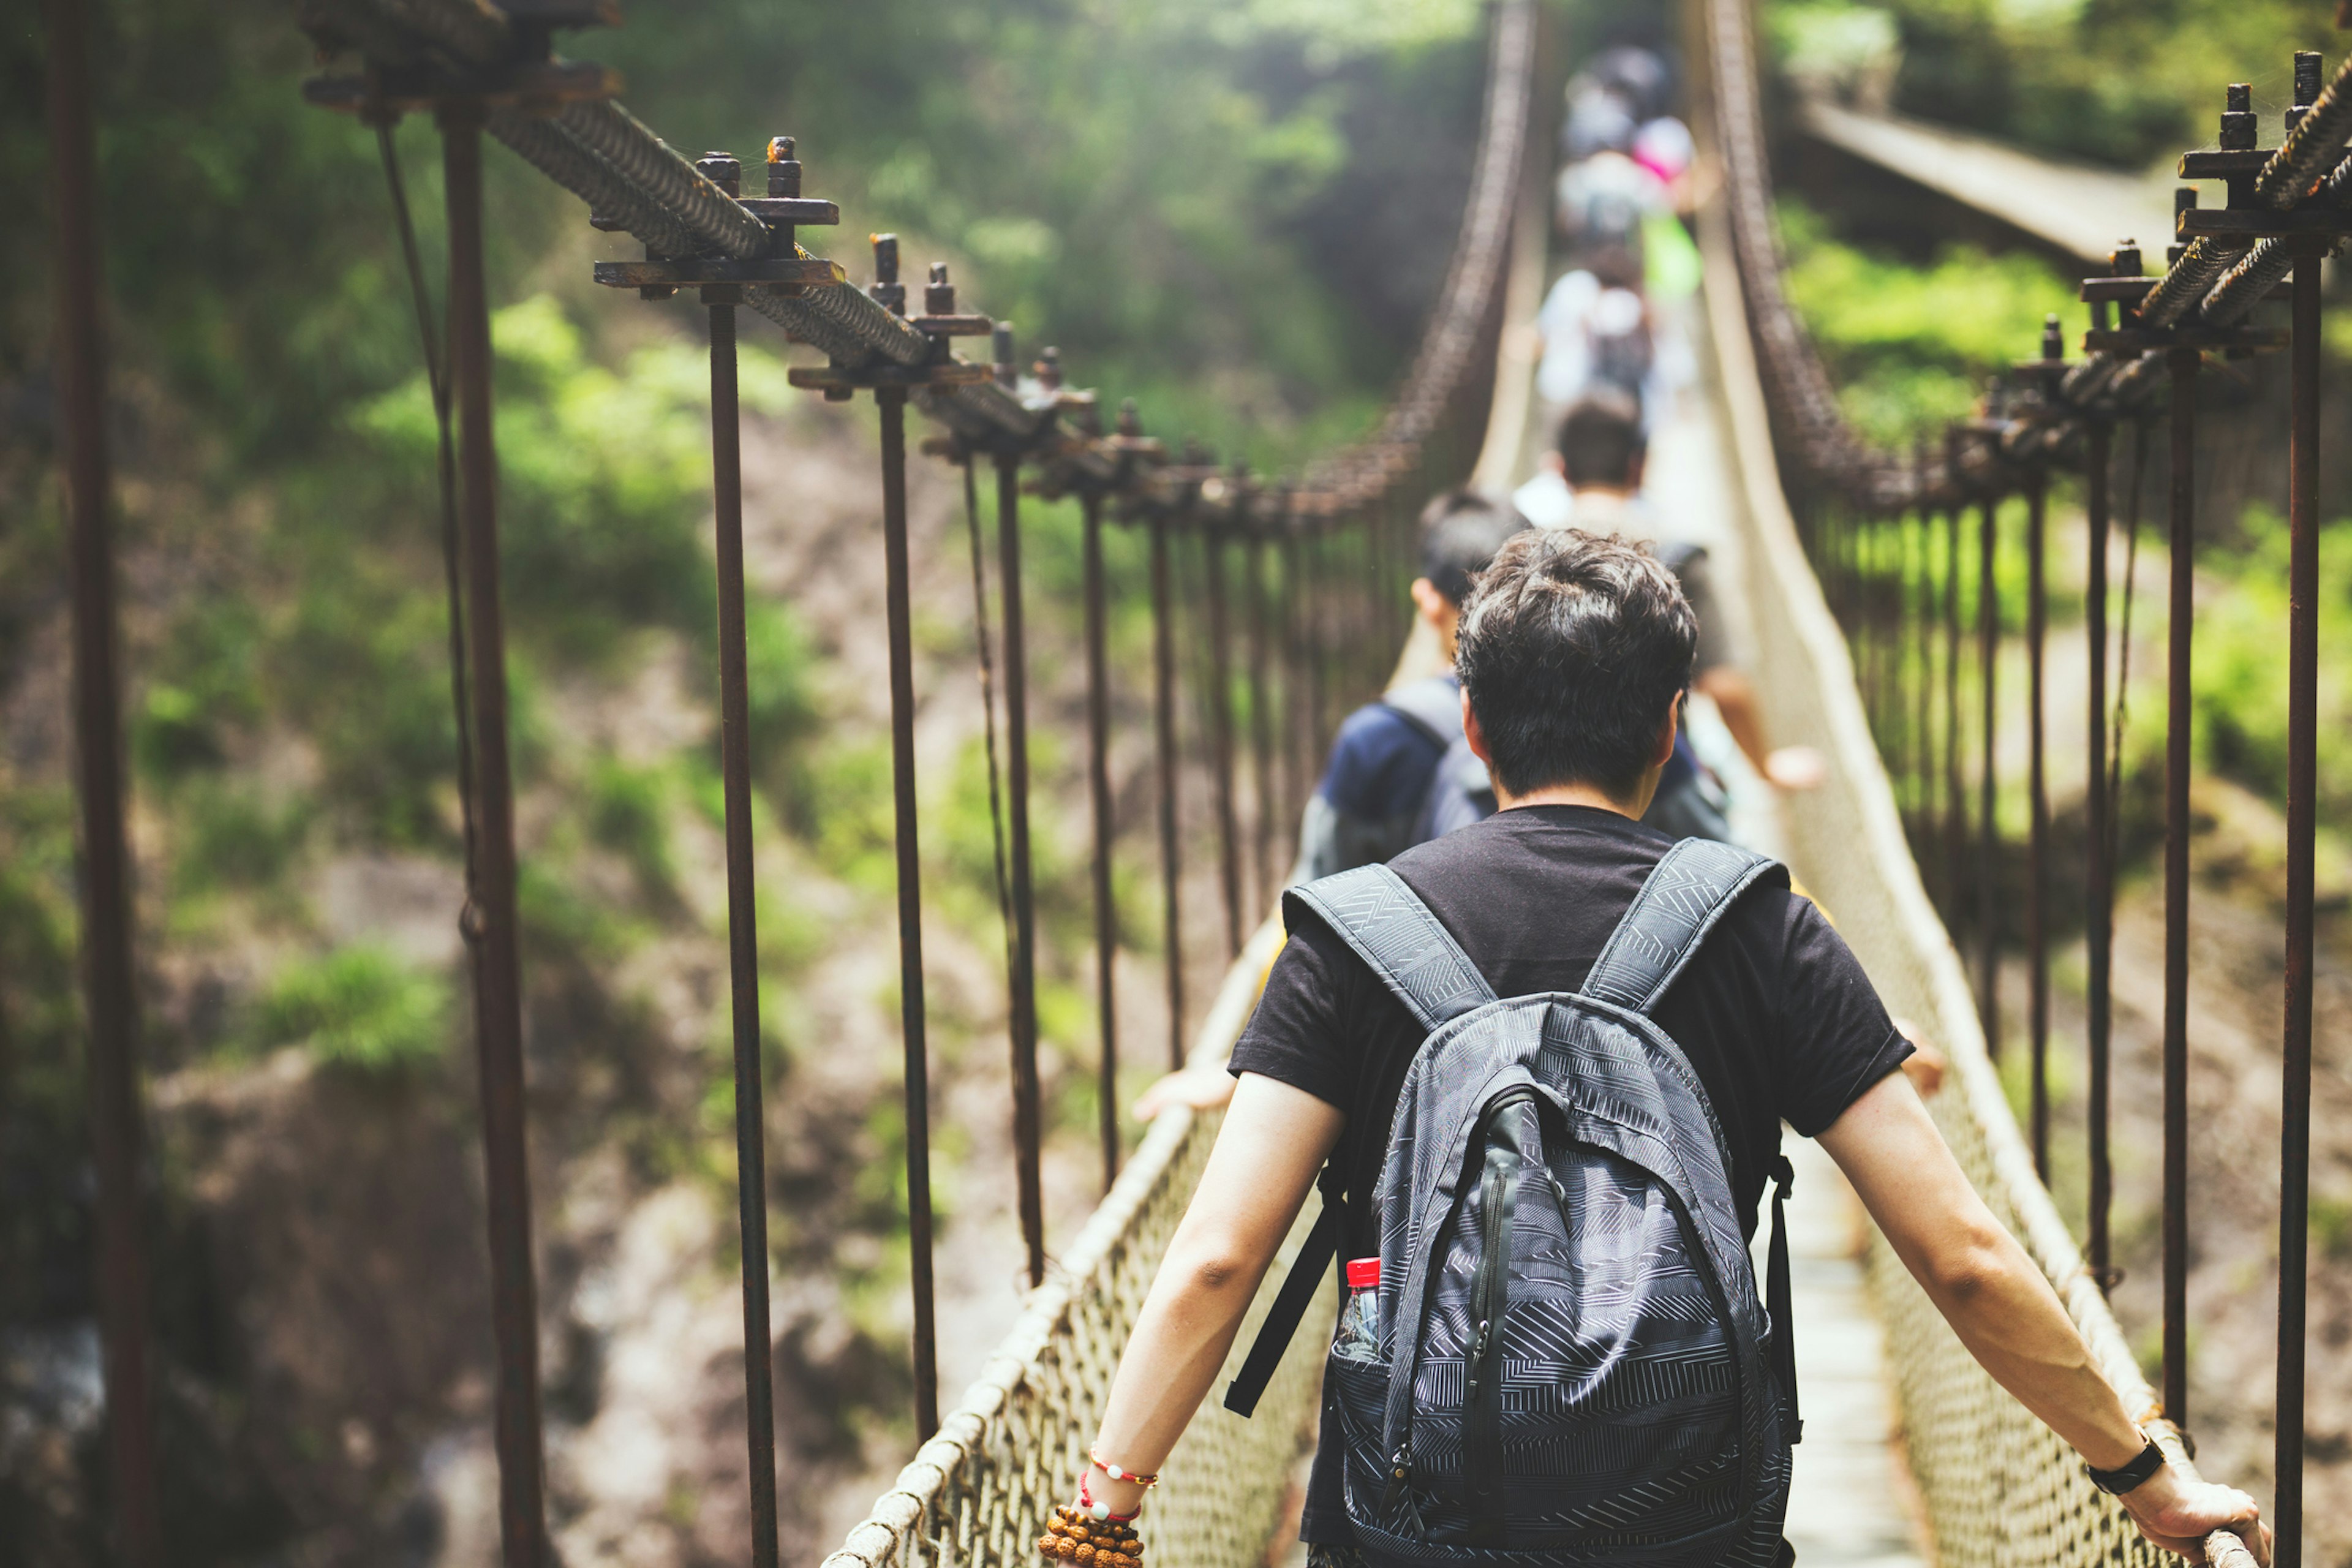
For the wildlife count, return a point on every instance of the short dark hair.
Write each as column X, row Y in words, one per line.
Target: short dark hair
column 1460, row 531
column 1600, row 440
column 1573, row 647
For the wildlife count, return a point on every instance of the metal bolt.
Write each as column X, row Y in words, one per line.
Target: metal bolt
column 888, row 290
column 939, row 299
column 2053, row 338
column 1000, row 356
column 722, row 169
column 2238, row 127
column 784, row 169
column 2124, row 260
column 1049, row 369
column 2306, row 86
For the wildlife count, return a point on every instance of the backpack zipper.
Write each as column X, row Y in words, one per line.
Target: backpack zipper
column 1482, row 1399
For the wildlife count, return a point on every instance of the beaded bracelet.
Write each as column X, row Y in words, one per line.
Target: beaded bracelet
column 1114, row 1473
column 1071, row 1537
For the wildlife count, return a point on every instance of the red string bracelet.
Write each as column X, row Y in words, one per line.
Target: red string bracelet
column 1114, row 1473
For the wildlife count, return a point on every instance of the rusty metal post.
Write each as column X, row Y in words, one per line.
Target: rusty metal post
column 1168, row 760
column 2302, row 785
column 2037, row 898
column 1258, row 647
column 891, row 403
column 1956, row 808
column 1221, row 736
column 2099, row 897
column 2182, row 611
column 1922, row 643
column 497, row 989
column 1099, row 793
column 1298, row 720
column 108, row 976
column 742, row 902
column 1026, row 1120
column 1989, row 826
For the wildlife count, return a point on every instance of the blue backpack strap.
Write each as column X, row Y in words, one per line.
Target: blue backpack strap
column 1686, row 893
column 1392, row 930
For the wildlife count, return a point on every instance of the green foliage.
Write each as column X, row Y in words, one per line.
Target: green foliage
column 358, row 1007
column 2118, row 81
column 2240, row 673
column 1909, row 347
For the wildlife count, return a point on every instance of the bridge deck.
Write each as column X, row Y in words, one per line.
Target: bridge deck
column 1852, row 1504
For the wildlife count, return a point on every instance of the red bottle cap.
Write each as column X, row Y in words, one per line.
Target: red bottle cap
column 1363, row 1274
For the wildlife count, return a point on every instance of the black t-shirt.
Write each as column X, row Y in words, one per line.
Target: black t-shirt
column 1774, row 1012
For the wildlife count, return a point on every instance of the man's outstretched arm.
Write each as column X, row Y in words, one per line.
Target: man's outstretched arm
column 1273, row 1143
column 1997, row 1300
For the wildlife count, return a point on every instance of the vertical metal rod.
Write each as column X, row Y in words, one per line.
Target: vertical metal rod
column 1023, row 978
column 108, row 976
column 1297, row 718
column 2099, row 913
column 1098, row 793
column 1988, row 826
column 1221, row 736
column 1955, row 810
column 742, row 925
column 2037, row 899
column 2302, row 784
column 1258, row 649
column 2182, row 611
column 891, row 403
column 497, row 989
column 1922, row 643
column 1315, row 612
column 1164, row 727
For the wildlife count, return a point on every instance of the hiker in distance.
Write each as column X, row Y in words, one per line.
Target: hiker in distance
column 1398, row 773
column 1542, row 1064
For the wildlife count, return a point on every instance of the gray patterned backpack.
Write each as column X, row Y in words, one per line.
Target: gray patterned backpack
column 1573, row 1366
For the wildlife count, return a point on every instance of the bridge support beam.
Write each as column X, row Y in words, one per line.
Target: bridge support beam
column 1099, row 795
column 891, row 403
column 742, row 921
column 1024, row 977
column 2182, row 610
column 491, row 913
column 2099, row 914
column 2302, row 782
column 108, row 977
column 1168, row 760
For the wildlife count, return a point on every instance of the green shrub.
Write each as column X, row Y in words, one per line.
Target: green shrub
column 359, row 1008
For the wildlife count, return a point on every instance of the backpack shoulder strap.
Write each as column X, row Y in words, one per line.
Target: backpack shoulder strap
column 1392, row 930
column 1432, row 705
column 1686, row 893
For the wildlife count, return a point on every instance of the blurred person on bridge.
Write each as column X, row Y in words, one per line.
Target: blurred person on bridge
column 1574, row 654
column 1399, row 772
column 1591, row 480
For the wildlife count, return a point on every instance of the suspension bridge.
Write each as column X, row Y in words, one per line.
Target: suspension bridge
column 1847, row 571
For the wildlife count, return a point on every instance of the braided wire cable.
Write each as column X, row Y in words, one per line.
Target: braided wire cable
column 648, row 162
column 2268, row 263
column 545, row 148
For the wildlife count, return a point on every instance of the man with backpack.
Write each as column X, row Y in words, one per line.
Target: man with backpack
column 1541, row 1065
column 1399, row 772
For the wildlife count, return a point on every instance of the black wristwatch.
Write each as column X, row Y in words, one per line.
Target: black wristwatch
column 2124, row 1477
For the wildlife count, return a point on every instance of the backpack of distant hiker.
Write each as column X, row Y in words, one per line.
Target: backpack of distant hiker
column 1459, row 791
column 1573, row 1365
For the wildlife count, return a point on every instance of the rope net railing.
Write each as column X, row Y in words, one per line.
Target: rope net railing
column 1865, row 605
